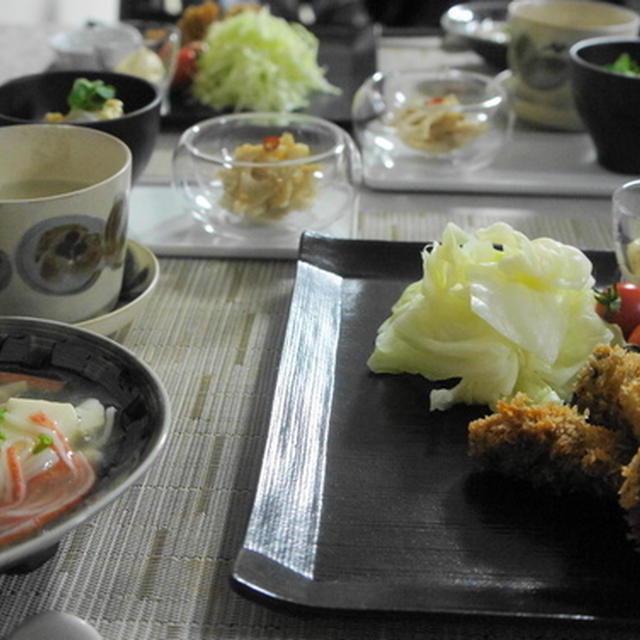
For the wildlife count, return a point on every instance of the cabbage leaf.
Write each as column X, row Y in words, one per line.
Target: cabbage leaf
column 497, row 311
column 259, row 62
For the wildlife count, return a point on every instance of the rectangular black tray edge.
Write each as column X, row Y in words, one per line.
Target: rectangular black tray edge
column 265, row 579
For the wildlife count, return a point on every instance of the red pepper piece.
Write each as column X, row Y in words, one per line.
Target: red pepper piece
column 270, row 143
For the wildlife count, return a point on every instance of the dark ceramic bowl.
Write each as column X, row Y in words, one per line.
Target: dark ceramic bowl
column 90, row 366
column 483, row 26
column 608, row 102
column 28, row 98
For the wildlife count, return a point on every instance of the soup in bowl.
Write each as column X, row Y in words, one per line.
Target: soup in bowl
column 58, row 475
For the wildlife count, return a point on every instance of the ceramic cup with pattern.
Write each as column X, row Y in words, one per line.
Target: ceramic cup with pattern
column 64, row 193
column 542, row 32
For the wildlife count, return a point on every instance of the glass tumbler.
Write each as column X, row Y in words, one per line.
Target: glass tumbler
column 156, row 58
column 626, row 229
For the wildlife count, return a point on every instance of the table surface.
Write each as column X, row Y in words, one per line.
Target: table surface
column 156, row 563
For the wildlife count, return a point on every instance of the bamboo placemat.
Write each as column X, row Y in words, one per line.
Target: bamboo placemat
column 156, row 563
column 586, row 232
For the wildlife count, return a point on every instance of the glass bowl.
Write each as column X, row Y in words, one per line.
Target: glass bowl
column 266, row 174
column 626, row 229
column 156, row 56
column 482, row 25
column 449, row 120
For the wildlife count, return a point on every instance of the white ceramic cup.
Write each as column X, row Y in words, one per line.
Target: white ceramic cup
column 96, row 47
column 64, row 193
column 542, row 31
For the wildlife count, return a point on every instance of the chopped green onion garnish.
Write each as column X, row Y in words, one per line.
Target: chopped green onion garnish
column 43, row 442
column 90, row 96
column 624, row 63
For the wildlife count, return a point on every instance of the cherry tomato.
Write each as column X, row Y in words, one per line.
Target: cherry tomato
column 620, row 304
column 634, row 336
column 186, row 64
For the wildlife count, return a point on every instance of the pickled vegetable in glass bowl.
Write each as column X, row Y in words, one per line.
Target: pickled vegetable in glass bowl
column 448, row 121
column 266, row 174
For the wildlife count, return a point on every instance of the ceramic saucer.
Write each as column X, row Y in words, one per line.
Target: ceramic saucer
column 141, row 275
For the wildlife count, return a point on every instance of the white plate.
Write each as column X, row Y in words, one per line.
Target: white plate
column 534, row 161
column 141, row 277
column 159, row 220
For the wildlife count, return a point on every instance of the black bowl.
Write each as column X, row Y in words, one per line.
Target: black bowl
column 482, row 24
column 28, row 98
column 90, row 366
column 608, row 102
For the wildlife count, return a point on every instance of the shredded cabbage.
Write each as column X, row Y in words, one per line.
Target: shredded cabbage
column 499, row 311
column 256, row 61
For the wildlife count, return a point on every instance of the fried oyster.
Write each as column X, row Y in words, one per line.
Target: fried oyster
column 548, row 445
column 608, row 386
column 592, row 445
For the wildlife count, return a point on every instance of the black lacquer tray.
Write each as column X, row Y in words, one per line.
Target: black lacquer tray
column 368, row 502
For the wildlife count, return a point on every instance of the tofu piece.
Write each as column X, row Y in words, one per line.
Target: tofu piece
column 91, row 417
column 62, row 413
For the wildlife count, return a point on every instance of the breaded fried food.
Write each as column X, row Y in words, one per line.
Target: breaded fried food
column 608, row 387
column 548, row 445
column 629, row 496
column 196, row 20
column 235, row 9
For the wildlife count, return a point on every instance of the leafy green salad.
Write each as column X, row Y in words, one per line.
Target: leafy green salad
column 497, row 311
column 259, row 62
column 625, row 64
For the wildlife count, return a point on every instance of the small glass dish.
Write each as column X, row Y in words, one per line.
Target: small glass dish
column 448, row 121
column 266, row 174
column 482, row 25
column 156, row 57
column 625, row 212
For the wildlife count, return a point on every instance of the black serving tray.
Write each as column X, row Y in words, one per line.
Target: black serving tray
column 347, row 53
column 368, row 502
